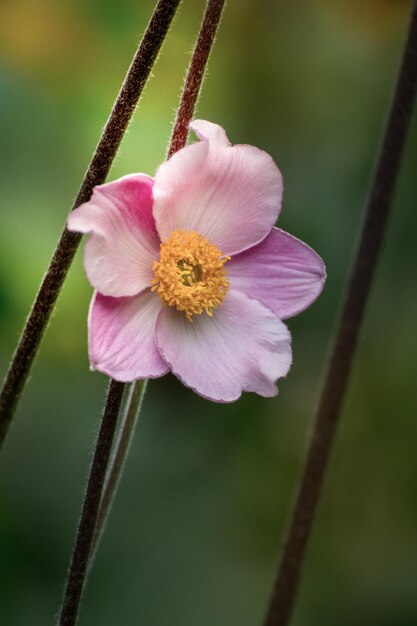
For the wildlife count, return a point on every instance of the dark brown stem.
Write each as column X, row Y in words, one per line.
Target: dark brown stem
column 346, row 338
column 127, row 429
column 96, row 174
column 79, row 561
column 195, row 74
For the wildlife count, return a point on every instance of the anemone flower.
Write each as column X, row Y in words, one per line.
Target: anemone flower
column 191, row 276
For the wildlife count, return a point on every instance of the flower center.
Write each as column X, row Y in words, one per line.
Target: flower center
column 190, row 273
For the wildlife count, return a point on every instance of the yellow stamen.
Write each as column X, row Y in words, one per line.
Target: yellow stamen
column 190, row 274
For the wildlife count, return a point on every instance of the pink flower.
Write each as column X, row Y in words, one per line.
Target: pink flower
column 190, row 273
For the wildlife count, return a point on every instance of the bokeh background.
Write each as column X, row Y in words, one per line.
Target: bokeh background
column 195, row 533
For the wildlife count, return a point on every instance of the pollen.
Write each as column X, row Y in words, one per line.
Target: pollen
column 190, row 274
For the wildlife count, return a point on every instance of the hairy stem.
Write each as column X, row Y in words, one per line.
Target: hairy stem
column 346, row 339
column 79, row 561
column 96, row 174
column 122, row 446
column 195, row 74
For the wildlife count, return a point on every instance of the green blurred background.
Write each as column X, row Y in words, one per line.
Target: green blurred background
column 194, row 537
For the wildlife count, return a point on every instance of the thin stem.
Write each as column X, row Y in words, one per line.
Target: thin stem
column 345, row 344
column 96, row 174
column 195, row 74
column 79, row 561
column 122, row 447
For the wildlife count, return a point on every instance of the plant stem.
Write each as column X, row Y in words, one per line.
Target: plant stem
column 79, row 562
column 195, row 74
column 96, row 174
column 127, row 429
column 347, row 334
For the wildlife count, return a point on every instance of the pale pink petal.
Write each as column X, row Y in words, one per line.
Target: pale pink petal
column 207, row 130
column 121, row 336
column 229, row 194
column 282, row 272
column 123, row 241
column 243, row 347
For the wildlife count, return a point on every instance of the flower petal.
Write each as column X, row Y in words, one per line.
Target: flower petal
column 121, row 337
column 207, row 130
column 123, row 240
column 229, row 194
column 282, row 272
column 243, row 347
